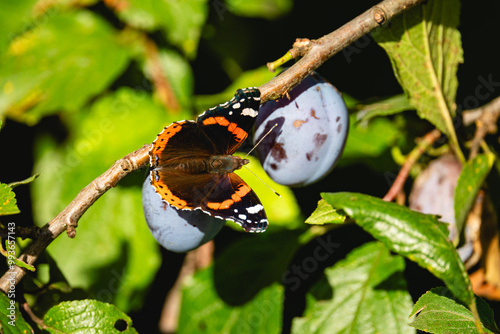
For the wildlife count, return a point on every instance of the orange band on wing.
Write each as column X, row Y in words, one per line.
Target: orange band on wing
column 165, row 193
column 242, row 190
column 167, row 133
column 239, row 133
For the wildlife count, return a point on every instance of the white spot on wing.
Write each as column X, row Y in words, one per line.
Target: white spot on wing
column 249, row 112
column 255, row 209
column 242, row 217
column 237, row 105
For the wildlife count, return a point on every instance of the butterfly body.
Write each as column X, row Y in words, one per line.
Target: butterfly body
column 192, row 166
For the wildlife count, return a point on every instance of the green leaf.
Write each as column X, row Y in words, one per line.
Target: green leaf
column 14, row 259
column 59, row 65
column 325, row 214
column 14, row 15
column 364, row 293
column 117, row 255
column 25, row 181
column 231, row 273
column 282, row 211
column 87, row 316
column 425, row 49
column 382, row 107
column 469, row 182
column 366, row 143
column 179, row 75
column 419, row 237
column 8, row 203
column 11, row 319
column 202, row 310
column 181, row 21
column 438, row 312
column 268, row 9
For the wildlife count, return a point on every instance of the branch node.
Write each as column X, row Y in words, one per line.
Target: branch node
column 71, row 226
column 71, row 231
column 126, row 165
column 300, row 47
column 379, row 15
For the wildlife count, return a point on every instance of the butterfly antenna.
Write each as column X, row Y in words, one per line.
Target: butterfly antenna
column 261, row 139
column 253, row 148
column 274, row 191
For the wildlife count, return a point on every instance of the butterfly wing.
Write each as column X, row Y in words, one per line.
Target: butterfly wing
column 176, row 145
column 231, row 198
column 228, row 124
column 179, row 141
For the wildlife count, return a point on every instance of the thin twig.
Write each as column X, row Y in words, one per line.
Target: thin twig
column 33, row 316
column 319, row 51
column 412, row 158
column 485, row 118
column 160, row 81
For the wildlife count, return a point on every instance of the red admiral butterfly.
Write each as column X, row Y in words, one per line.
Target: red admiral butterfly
column 192, row 166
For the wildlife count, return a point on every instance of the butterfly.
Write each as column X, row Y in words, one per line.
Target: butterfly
column 192, row 166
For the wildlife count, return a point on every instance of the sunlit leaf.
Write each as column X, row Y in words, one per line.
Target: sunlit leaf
column 268, row 9
column 417, row 236
column 438, row 312
column 425, row 49
column 11, row 319
column 59, row 65
column 15, row 16
column 25, row 181
column 325, row 214
column 469, row 182
column 87, row 316
column 179, row 75
column 8, row 202
column 181, row 21
column 282, row 211
column 382, row 107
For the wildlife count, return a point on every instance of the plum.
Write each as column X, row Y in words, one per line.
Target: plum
column 177, row 230
column 312, row 126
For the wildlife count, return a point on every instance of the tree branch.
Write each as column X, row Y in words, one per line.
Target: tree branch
column 314, row 54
